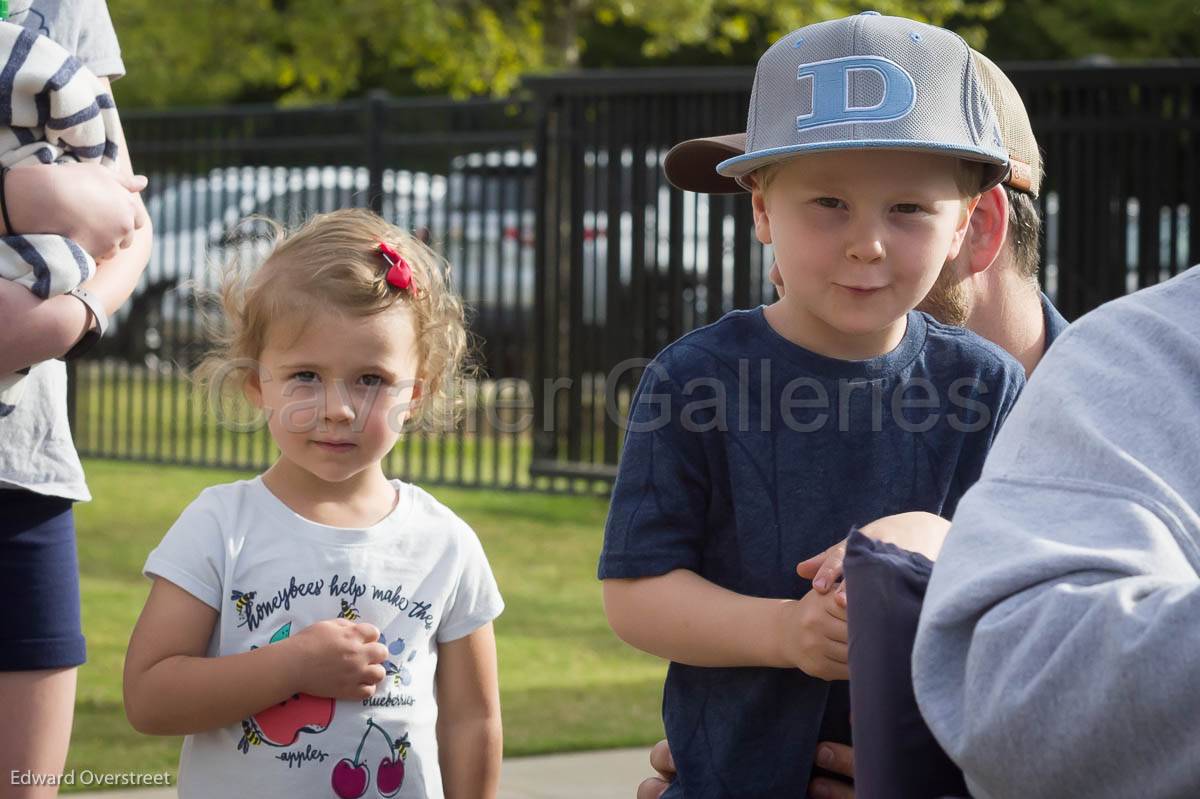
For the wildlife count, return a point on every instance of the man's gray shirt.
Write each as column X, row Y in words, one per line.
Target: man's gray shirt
column 1060, row 640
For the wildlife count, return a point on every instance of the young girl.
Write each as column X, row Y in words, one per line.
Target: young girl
column 320, row 630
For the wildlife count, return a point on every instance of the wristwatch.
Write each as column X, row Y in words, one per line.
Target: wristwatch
column 94, row 332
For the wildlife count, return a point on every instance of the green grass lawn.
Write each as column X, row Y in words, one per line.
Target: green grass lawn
column 566, row 682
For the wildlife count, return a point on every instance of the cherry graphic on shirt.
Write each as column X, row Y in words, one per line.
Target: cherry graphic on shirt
column 350, row 776
column 350, row 780
column 390, row 774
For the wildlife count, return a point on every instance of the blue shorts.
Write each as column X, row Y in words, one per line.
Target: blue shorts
column 39, row 584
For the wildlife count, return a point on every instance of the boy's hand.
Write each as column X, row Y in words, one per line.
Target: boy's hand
column 814, row 636
column 339, row 658
column 917, row 531
column 95, row 206
column 825, row 571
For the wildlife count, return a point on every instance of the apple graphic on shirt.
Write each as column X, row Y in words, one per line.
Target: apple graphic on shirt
column 281, row 724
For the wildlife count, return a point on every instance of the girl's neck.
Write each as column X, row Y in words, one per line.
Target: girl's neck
column 357, row 502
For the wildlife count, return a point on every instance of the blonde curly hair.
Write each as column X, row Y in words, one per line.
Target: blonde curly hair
column 333, row 260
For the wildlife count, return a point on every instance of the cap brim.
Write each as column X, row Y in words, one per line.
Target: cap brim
column 737, row 167
column 692, row 165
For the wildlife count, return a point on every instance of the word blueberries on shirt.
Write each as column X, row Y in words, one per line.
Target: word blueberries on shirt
column 390, row 700
column 807, row 405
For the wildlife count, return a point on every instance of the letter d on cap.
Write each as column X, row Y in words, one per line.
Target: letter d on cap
column 831, row 92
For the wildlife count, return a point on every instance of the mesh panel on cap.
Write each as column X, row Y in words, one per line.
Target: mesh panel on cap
column 1013, row 118
column 949, row 112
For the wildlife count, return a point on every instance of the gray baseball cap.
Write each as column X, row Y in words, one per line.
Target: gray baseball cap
column 862, row 82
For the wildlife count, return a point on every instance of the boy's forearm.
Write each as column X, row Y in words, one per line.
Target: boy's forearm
column 183, row 694
column 685, row 618
column 469, row 753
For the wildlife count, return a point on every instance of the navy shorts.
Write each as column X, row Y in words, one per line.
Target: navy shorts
column 39, row 584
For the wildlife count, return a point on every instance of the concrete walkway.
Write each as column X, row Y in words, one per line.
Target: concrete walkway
column 613, row 774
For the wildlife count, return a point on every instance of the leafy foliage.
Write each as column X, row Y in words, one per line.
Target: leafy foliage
column 299, row 51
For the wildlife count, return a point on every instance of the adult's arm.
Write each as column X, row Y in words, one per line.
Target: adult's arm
column 36, row 330
column 1059, row 641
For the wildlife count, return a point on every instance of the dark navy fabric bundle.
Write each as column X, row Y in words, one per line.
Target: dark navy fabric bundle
column 895, row 754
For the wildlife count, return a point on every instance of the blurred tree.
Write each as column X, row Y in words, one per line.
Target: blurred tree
column 295, row 51
column 1119, row 29
column 298, row 51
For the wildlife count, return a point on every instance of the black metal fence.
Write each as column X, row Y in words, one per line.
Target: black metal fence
column 458, row 174
column 571, row 250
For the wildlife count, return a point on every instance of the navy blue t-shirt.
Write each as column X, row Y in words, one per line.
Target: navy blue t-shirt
column 747, row 454
column 1054, row 321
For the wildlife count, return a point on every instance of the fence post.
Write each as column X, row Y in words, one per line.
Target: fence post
column 544, row 199
column 376, row 111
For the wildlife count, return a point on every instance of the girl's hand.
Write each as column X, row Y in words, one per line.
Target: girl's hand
column 95, row 206
column 338, row 658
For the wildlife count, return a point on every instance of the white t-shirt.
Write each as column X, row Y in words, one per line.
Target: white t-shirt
column 419, row 575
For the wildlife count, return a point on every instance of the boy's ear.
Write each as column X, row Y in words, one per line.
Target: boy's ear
column 988, row 229
column 762, row 223
column 963, row 228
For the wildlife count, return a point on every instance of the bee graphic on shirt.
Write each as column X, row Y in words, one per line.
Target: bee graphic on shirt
column 241, row 603
column 250, row 736
column 349, row 612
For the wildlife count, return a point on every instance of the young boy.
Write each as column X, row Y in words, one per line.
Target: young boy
column 757, row 442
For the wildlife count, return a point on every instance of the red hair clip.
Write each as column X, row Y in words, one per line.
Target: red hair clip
column 399, row 273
